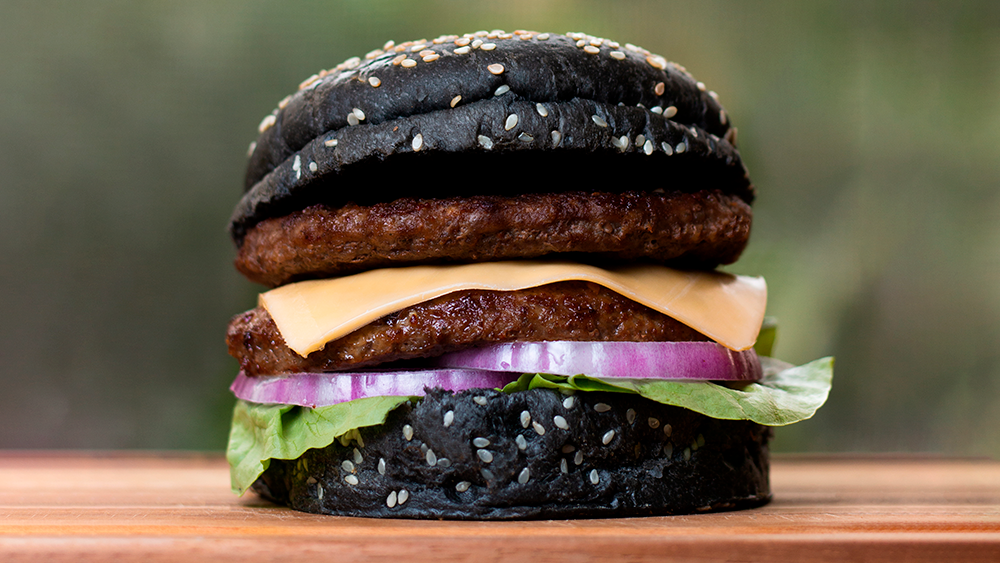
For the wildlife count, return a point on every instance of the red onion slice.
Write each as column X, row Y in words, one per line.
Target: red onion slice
column 691, row 361
column 323, row 389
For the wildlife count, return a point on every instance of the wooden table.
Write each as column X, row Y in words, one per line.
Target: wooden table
column 74, row 506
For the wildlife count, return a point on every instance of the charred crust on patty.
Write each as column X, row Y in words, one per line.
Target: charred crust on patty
column 577, row 310
column 618, row 456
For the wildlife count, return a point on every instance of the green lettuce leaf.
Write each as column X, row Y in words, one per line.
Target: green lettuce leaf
column 261, row 432
column 786, row 394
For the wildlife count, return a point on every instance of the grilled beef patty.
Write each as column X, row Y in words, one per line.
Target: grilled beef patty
column 699, row 229
column 573, row 310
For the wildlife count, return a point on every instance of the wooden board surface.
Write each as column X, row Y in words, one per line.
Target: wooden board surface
column 173, row 507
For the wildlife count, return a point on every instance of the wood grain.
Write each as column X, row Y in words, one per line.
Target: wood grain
column 77, row 506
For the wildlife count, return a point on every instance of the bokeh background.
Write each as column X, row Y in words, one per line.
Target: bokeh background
column 872, row 130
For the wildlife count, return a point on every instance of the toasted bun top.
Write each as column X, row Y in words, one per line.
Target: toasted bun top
column 496, row 95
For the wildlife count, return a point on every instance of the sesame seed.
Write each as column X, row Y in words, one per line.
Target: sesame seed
column 408, row 63
column 618, row 55
column 311, row 481
column 486, row 143
column 556, row 138
column 542, row 110
column 480, row 442
column 311, row 81
column 687, row 454
column 347, row 466
column 668, row 450
column 373, row 53
column 352, row 62
column 487, row 474
column 669, row 112
column 591, row 49
column 522, row 443
column 426, row 52
column 511, row 122
column 455, row 100
column 444, row 462
column 599, row 121
column 568, row 402
column 568, row 449
column 431, row 58
column 667, row 148
column 390, row 500
column 253, row 147
column 681, row 147
column 668, row 430
column 560, row 422
column 563, row 466
column 595, row 478
column 630, row 416
column 403, row 496
column 267, row 122
column 608, row 436
column 495, row 68
column 694, row 446
column 479, row 399
column 701, row 86
column 524, row 475
column 313, row 167
column 374, row 81
column 358, row 114
column 701, row 440
column 431, row 458
column 284, row 102
column 352, row 119
column 408, row 432
column 656, row 61
column 462, row 486
column 477, row 43
column 602, row 407
column 297, row 167
column 620, row 142
column 647, row 147
column 351, row 480
column 357, row 457
column 388, row 45
column 525, row 138
column 488, row 46
column 640, row 140
column 398, row 59
column 330, row 142
column 418, row 141
column 659, row 88
column 319, row 492
column 501, row 90
column 722, row 116
column 462, row 50
column 381, row 466
column 654, row 423
column 542, row 36
column 538, row 428
column 449, row 417
column 731, row 136
column 578, row 458
column 418, row 47
column 525, row 419
column 462, row 41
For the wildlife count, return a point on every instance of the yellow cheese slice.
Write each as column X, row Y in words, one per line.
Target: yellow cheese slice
column 728, row 309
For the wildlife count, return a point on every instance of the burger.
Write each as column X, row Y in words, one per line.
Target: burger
column 491, row 260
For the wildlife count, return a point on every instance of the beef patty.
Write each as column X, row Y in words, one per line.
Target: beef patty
column 700, row 229
column 573, row 310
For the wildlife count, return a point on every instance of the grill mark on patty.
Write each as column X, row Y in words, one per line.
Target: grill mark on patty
column 573, row 310
column 702, row 229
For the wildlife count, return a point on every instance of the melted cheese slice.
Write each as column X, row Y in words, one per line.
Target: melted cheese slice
column 728, row 309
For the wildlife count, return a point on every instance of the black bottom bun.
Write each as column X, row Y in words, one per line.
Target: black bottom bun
column 476, row 455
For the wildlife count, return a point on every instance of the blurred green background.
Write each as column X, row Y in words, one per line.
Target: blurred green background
column 872, row 130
